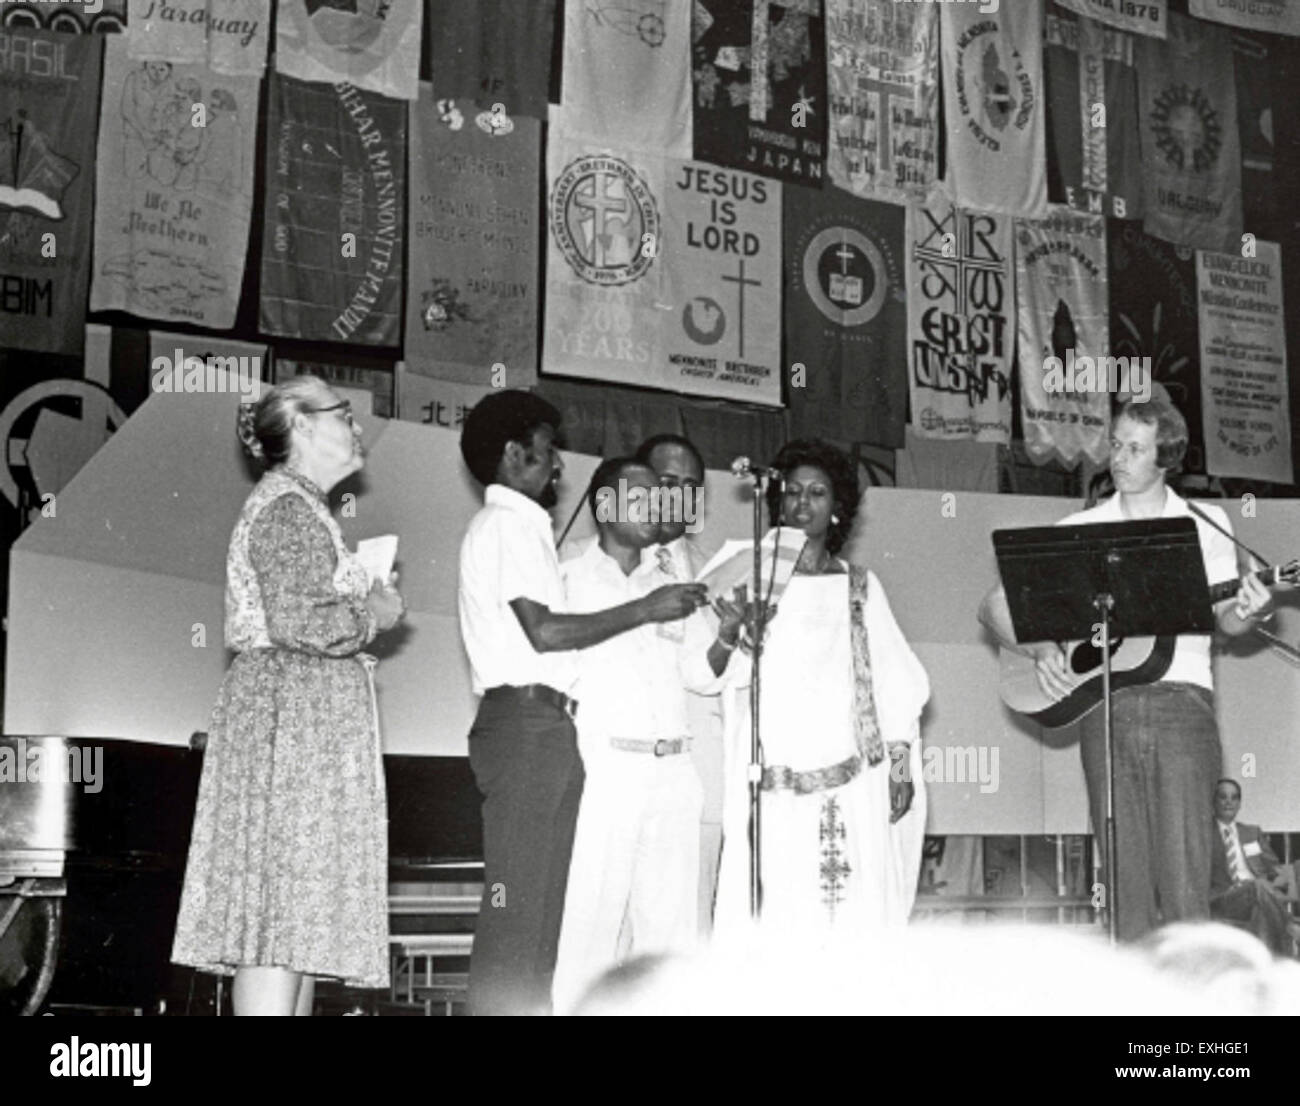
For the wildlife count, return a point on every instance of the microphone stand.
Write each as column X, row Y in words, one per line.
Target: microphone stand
column 755, row 749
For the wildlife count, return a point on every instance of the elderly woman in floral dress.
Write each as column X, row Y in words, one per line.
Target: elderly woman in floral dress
column 287, row 873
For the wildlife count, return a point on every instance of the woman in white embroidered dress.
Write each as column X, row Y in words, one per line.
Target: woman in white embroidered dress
column 841, row 699
column 287, row 875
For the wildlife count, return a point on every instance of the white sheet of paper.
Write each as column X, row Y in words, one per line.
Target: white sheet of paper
column 378, row 555
column 733, row 564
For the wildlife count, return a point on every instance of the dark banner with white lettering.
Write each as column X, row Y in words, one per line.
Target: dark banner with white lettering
column 759, row 69
column 49, row 98
column 332, row 240
column 1094, row 159
column 845, row 317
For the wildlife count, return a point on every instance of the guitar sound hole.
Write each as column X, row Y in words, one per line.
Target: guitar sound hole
column 1087, row 656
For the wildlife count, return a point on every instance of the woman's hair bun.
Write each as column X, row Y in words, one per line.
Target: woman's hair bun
column 246, row 428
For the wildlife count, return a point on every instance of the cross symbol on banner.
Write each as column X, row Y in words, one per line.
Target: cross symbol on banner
column 742, row 282
column 845, row 255
column 600, row 204
column 956, row 272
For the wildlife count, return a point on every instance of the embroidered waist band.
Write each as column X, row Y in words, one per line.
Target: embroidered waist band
column 780, row 778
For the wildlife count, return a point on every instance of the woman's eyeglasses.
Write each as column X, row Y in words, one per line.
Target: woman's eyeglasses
column 344, row 408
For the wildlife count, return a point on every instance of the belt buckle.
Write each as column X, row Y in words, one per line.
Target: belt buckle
column 661, row 747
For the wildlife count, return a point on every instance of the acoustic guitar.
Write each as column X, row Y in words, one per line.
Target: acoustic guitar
column 1133, row 661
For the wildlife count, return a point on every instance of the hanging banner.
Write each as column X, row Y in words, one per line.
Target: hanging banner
column 332, row 238
column 1094, row 159
column 627, row 73
column 883, row 74
column 473, row 294
column 1277, row 17
column 961, row 294
column 1245, row 392
column 1257, row 64
column 109, row 17
column 1191, row 160
column 434, row 402
column 229, row 36
column 373, row 46
column 173, row 200
column 378, row 382
column 845, row 317
column 994, row 105
column 759, row 70
column 1143, row 17
column 662, row 273
column 493, row 52
column 49, row 103
column 1067, row 377
column 1153, row 308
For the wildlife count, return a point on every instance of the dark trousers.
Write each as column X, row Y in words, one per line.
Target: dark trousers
column 1167, row 759
column 524, row 755
column 1255, row 907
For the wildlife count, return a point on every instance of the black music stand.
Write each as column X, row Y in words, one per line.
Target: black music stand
column 1129, row 579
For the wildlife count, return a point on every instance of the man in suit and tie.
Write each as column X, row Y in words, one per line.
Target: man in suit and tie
column 1248, row 884
column 679, row 465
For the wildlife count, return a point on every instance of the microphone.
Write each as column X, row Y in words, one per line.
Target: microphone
column 742, row 467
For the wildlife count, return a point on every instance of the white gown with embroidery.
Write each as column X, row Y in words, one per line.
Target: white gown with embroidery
column 830, row 857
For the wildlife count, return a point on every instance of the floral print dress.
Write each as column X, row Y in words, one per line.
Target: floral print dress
column 288, row 858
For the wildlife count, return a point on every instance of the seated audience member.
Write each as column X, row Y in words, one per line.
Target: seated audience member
column 1248, row 884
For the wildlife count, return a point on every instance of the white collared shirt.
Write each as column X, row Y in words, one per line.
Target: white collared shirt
column 509, row 553
column 632, row 685
column 1191, row 661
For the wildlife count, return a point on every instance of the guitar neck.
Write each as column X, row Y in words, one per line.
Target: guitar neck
column 1229, row 588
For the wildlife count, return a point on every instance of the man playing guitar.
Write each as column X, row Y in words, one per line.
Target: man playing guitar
column 1166, row 741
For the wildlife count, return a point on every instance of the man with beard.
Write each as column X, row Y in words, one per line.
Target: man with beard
column 523, row 745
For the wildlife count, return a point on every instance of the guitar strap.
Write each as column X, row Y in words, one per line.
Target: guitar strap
column 1226, row 533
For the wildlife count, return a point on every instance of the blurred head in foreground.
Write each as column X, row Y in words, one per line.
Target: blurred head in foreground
column 1200, row 968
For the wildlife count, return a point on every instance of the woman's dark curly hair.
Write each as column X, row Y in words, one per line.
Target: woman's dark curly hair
column 844, row 484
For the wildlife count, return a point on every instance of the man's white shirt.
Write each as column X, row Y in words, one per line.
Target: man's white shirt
column 508, row 553
column 1191, row 660
column 633, row 684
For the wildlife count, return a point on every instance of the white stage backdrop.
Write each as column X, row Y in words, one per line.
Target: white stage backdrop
column 116, row 612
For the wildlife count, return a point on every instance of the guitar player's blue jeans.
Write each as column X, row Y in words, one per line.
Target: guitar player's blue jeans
column 1167, row 760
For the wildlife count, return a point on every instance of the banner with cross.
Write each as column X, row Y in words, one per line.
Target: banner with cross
column 661, row 273
column 960, row 322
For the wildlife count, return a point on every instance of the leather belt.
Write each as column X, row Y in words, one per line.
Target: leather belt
column 664, row 747
column 539, row 692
